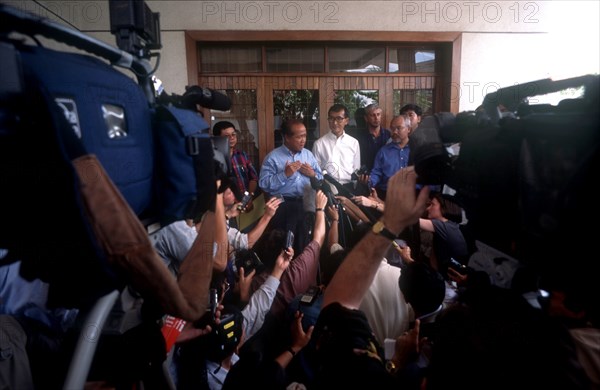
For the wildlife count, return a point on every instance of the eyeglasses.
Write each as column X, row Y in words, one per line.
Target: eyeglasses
column 232, row 135
column 337, row 119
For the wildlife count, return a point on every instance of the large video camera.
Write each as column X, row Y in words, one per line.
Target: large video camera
column 523, row 169
column 137, row 31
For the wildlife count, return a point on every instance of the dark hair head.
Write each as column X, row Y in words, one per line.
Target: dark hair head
column 269, row 246
column 359, row 113
column 422, row 286
column 286, row 127
column 448, row 207
column 338, row 107
column 229, row 182
column 411, row 107
column 222, row 125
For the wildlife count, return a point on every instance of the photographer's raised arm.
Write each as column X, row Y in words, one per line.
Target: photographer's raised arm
column 356, row 273
column 320, row 228
column 129, row 250
column 220, row 260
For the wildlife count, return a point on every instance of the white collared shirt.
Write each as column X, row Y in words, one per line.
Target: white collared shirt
column 339, row 156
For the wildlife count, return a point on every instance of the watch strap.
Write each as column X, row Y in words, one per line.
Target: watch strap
column 384, row 231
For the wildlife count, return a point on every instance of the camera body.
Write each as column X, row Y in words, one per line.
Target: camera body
column 363, row 170
column 311, row 295
column 250, row 261
column 245, row 201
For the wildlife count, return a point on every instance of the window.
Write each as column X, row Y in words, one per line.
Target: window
column 421, row 97
column 230, row 59
column 295, row 59
column 311, row 58
column 243, row 116
column 297, row 103
column 356, row 59
column 411, row 60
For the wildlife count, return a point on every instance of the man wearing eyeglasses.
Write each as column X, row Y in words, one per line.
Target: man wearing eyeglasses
column 337, row 152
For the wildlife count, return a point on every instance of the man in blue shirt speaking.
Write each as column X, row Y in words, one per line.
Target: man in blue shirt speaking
column 287, row 172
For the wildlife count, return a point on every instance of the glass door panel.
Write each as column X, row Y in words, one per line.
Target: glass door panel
column 243, row 115
column 356, row 100
column 421, row 97
column 296, row 103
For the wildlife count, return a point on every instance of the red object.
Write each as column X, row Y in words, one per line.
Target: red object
column 171, row 330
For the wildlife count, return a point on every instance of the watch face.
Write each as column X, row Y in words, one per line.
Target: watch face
column 378, row 227
column 390, row 366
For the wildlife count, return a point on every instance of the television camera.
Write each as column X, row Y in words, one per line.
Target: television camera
column 524, row 170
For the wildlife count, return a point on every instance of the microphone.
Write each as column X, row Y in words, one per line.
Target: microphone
column 308, row 204
column 205, row 97
column 317, row 184
column 195, row 95
column 308, row 199
column 348, row 194
column 341, row 189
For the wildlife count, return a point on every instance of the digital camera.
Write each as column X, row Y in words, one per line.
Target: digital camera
column 250, row 261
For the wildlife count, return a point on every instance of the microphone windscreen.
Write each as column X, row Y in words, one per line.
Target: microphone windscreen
column 308, row 199
column 315, row 183
column 219, row 101
column 205, row 97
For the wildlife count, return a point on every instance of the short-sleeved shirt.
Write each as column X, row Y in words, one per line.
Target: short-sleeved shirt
column 448, row 241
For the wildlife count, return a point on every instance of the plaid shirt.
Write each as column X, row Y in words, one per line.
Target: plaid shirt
column 244, row 169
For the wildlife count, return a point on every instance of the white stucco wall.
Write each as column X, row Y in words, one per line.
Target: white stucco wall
column 504, row 42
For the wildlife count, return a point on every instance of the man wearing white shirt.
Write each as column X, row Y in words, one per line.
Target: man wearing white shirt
column 338, row 152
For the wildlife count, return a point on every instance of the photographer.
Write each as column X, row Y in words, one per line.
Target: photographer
column 443, row 218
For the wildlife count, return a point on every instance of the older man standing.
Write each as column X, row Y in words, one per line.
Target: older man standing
column 392, row 157
column 338, row 152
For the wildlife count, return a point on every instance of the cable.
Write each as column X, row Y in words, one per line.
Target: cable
column 57, row 15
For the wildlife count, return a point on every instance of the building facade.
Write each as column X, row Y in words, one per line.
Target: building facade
column 295, row 58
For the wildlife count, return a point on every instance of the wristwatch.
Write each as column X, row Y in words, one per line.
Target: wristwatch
column 390, row 367
column 379, row 228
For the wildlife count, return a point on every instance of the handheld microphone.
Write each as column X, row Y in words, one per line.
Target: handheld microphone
column 204, row 97
column 348, row 194
column 308, row 199
column 317, row 184
column 308, row 204
column 341, row 189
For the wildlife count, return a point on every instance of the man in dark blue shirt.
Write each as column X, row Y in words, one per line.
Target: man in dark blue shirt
column 391, row 157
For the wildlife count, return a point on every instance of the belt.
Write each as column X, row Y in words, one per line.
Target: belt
column 293, row 198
